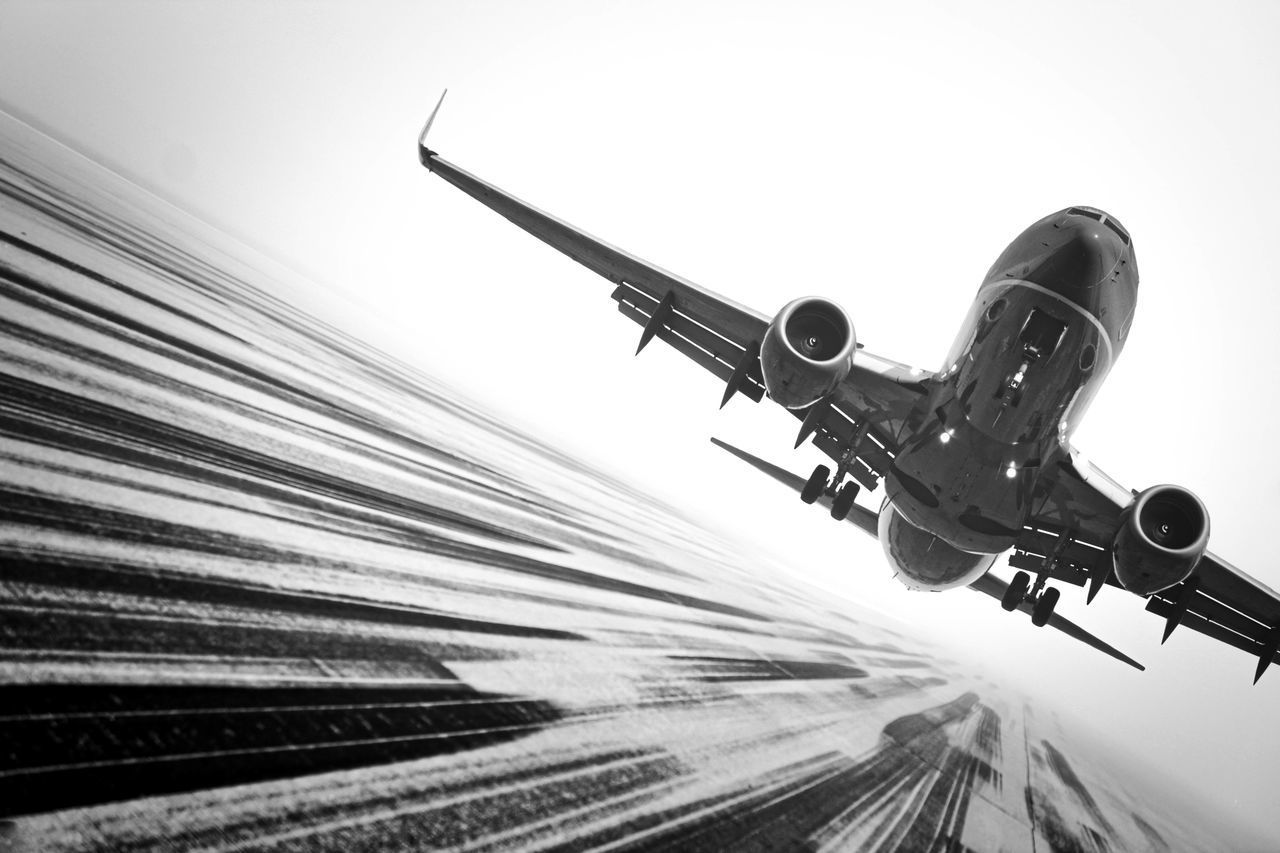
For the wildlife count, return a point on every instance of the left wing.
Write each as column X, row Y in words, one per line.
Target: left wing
column 868, row 409
column 721, row 335
column 1081, row 509
column 865, row 520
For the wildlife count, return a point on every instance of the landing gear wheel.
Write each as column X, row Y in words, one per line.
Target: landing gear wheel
column 817, row 482
column 1016, row 592
column 844, row 501
column 1044, row 607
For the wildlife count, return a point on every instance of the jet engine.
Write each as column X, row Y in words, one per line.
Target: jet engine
column 923, row 561
column 807, row 351
column 1162, row 537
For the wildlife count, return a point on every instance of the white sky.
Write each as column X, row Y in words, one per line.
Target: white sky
column 879, row 153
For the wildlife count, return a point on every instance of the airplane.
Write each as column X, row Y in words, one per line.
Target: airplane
column 976, row 459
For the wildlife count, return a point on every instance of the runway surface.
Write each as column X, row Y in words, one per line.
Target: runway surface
column 264, row 587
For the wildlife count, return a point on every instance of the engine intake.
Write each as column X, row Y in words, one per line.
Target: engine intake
column 807, row 351
column 1162, row 537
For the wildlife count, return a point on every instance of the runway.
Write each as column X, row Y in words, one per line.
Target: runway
column 265, row 587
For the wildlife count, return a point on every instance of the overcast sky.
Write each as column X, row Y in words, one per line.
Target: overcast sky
column 880, row 154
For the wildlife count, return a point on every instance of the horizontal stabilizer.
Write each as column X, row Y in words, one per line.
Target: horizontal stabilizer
column 859, row 516
column 993, row 586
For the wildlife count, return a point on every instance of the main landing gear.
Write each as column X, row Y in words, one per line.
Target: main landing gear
column 1044, row 600
column 821, row 482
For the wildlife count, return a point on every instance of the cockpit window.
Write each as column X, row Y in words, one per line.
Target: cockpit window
column 1115, row 226
column 1083, row 211
column 1041, row 334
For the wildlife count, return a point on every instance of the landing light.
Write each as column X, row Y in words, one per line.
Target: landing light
column 946, row 436
column 1011, row 471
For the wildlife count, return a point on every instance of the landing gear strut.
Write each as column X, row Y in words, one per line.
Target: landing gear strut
column 821, row 482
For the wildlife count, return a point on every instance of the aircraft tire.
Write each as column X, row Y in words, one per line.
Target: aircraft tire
column 844, row 501
column 817, row 482
column 1043, row 610
column 1016, row 592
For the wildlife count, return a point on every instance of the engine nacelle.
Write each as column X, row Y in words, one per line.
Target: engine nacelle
column 923, row 561
column 1162, row 537
column 807, row 351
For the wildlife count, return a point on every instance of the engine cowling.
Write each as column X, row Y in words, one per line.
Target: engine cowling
column 807, row 351
column 1161, row 538
column 923, row 561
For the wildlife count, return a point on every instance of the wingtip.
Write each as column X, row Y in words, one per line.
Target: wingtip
column 1123, row 658
column 425, row 153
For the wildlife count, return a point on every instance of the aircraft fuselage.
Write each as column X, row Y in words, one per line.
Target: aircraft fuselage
column 1048, row 322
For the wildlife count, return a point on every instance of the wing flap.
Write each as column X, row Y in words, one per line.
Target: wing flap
column 1076, row 562
column 682, row 344
column 1196, row 622
column 712, row 350
column 1242, row 593
column 1210, row 616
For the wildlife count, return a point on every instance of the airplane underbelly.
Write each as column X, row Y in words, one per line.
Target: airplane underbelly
column 1025, row 357
column 960, row 489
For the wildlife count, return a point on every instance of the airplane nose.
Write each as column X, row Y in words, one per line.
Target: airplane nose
column 1083, row 253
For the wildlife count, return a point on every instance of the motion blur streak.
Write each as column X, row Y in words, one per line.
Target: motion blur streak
column 265, row 587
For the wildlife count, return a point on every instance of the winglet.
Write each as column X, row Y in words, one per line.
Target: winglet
column 425, row 153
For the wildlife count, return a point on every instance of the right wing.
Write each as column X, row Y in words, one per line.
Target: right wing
column 1218, row 599
column 866, row 520
column 717, row 333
